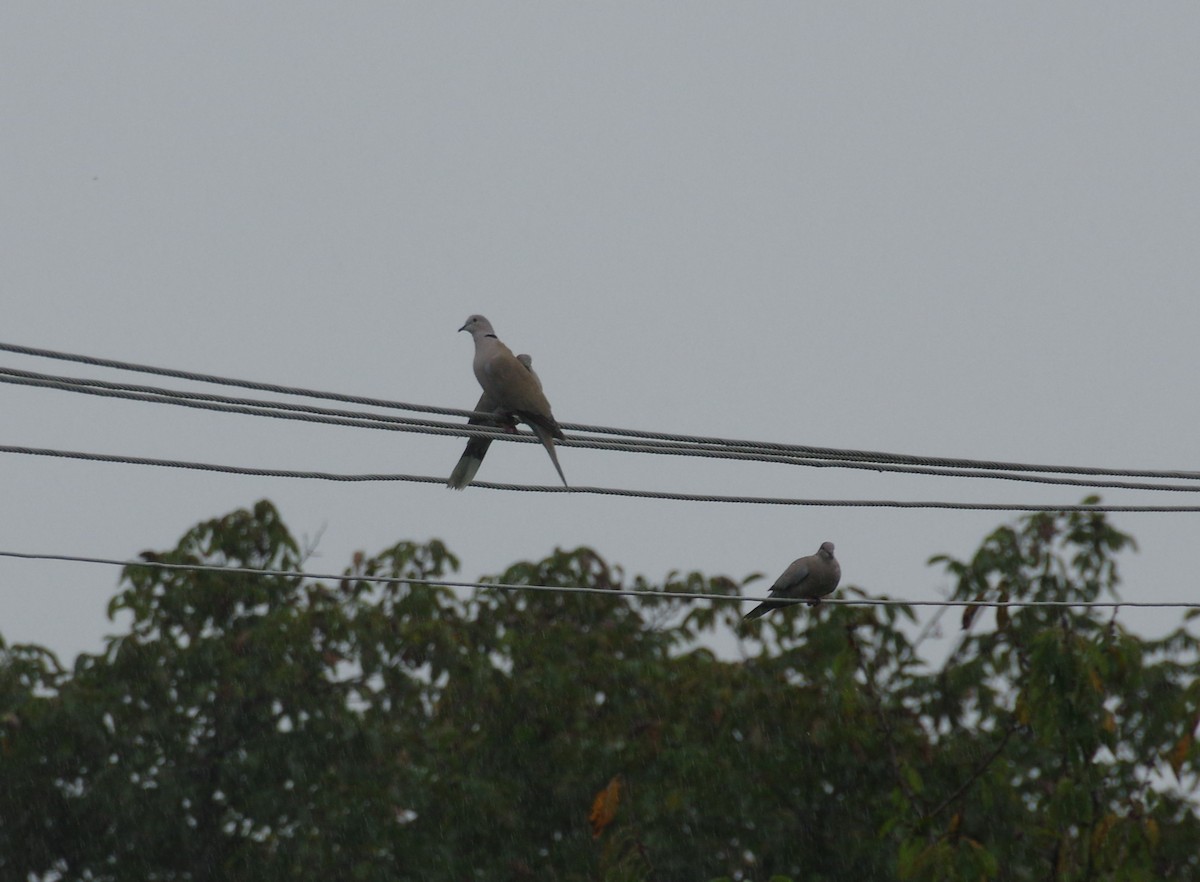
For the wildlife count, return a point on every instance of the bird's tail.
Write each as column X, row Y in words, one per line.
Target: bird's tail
column 468, row 463
column 547, row 439
column 549, row 423
column 767, row 605
column 761, row 610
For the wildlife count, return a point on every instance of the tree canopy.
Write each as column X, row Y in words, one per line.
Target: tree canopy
column 274, row 727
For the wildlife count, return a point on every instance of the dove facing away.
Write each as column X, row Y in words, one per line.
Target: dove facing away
column 808, row 578
column 515, row 391
column 477, row 448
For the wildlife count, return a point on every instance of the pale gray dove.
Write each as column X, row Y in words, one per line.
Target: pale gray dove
column 514, row 390
column 809, row 578
column 477, row 448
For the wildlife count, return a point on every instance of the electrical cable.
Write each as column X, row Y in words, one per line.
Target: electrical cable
column 358, row 419
column 790, row 449
column 594, row 491
column 612, row 592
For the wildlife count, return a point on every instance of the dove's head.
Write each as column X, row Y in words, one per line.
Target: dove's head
column 826, row 549
column 477, row 324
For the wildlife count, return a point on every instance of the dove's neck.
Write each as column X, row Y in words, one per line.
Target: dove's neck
column 486, row 346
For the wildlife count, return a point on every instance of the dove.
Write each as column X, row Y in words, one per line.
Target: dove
column 477, row 448
column 515, row 391
column 808, row 578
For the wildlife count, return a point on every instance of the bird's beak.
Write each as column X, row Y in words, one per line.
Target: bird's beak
column 463, row 328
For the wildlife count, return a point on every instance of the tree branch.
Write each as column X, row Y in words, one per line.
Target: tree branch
column 974, row 775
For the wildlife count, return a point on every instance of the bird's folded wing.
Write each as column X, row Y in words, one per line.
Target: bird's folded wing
column 513, row 386
column 791, row 578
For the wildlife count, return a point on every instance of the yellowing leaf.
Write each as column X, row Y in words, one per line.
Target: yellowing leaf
column 1151, row 826
column 604, row 806
column 1179, row 753
column 969, row 616
column 1100, row 833
column 1022, row 711
column 1002, row 611
column 1097, row 683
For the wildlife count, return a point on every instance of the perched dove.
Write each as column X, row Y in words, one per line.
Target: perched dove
column 514, row 389
column 809, row 578
column 477, row 448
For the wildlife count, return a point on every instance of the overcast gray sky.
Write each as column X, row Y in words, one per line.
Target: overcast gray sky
column 936, row 228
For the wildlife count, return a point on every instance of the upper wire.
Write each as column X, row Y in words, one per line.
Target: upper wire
column 791, row 450
column 361, row 419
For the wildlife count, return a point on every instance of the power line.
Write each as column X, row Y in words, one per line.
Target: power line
column 359, row 419
column 611, row 592
column 246, row 406
column 157, row 394
column 591, row 491
column 224, row 381
column 792, row 450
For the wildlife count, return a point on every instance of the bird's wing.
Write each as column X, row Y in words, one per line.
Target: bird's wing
column 789, row 580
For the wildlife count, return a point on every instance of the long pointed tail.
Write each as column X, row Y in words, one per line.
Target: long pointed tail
column 761, row 610
column 547, row 440
column 767, row 605
column 468, row 463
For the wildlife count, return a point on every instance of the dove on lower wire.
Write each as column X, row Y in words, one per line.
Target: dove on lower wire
column 513, row 388
column 808, row 578
column 477, row 448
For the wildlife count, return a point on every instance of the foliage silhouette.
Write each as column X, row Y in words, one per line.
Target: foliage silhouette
column 276, row 728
